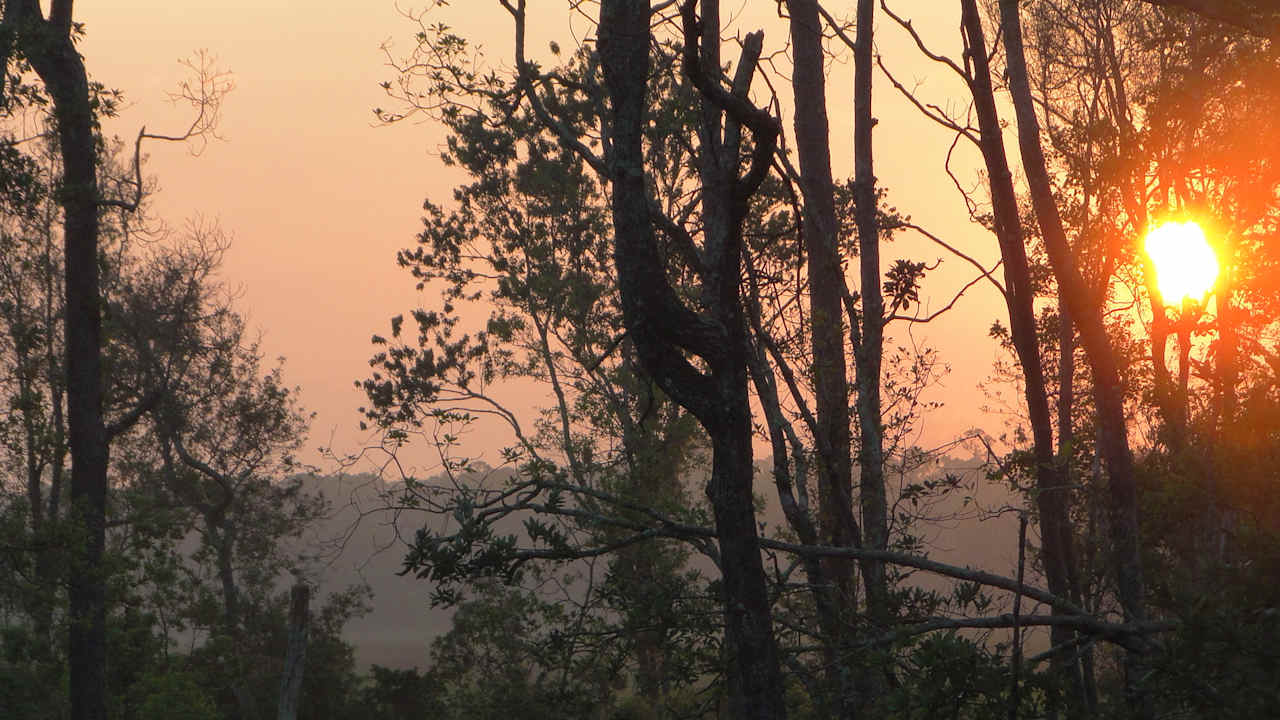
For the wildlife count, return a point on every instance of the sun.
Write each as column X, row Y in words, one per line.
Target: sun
column 1186, row 266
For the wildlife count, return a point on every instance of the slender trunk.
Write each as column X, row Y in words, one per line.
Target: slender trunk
column 1086, row 311
column 830, row 376
column 36, row 456
column 837, row 680
column 222, row 534
column 1133, row 189
column 225, row 551
column 1066, row 453
column 1228, row 342
column 1015, row 690
column 1066, row 386
column 1228, row 378
column 1172, row 410
column 637, row 566
column 1051, row 496
column 870, row 348
column 54, row 371
column 1184, row 368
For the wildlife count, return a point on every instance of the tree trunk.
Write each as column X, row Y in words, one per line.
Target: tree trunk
column 830, row 375
column 296, row 656
column 869, row 350
column 1087, row 314
column 48, row 45
column 1051, row 496
column 662, row 329
column 223, row 534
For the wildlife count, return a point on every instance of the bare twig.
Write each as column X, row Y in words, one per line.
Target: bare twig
column 204, row 92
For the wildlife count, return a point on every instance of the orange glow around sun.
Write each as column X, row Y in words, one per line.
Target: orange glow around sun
column 1186, row 266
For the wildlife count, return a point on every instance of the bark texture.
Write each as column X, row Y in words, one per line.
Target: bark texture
column 869, row 346
column 663, row 329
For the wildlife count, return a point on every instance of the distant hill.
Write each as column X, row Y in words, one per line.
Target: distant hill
column 367, row 544
column 364, row 547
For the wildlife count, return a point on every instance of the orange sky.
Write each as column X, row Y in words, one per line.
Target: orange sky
column 318, row 199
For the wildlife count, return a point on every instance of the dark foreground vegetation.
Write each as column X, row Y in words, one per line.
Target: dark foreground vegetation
column 687, row 282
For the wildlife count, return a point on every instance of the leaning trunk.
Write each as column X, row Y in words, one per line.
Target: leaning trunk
column 1087, row 314
column 1051, row 494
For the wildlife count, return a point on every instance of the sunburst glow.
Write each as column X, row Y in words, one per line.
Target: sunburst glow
column 1186, row 266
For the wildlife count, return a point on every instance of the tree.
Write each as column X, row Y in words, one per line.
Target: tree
column 225, row 452
column 491, row 664
column 515, row 229
column 1256, row 16
column 1051, row 496
column 528, row 247
column 177, row 359
column 1170, row 110
column 402, row 694
column 35, row 431
column 1087, row 315
column 47, row 43
column 717, row 398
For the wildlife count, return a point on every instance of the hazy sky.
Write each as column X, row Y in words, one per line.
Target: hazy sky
column 318, row 199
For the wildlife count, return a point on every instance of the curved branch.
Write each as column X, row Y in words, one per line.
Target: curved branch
column 958, row 253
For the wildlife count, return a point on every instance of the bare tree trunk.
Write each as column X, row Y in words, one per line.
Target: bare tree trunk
column 1086, row 312
column 830, row 375
column 869, row 348
column 1051, row 496
column 662, row 329
column 296, row 656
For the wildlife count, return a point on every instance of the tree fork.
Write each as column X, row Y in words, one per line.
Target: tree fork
column 718, row 399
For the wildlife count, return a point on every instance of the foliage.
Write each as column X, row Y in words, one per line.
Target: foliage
column 176, row 695
column 182, row 383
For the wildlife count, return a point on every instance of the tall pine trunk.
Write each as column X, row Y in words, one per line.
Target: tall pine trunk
column 869, row 350
column 827, row 288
